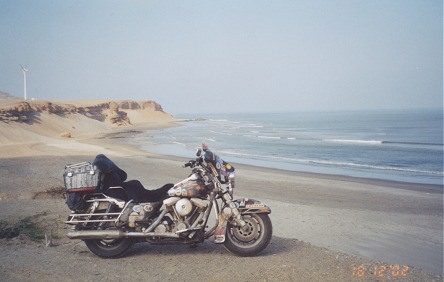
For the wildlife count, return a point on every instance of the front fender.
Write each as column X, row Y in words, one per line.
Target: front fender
column 248, row 206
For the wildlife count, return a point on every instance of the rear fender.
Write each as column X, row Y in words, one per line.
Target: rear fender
column 249, row 206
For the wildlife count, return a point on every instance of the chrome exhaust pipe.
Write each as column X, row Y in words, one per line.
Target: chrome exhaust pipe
column 115, row 234
column 151, row 234
column 96, row 234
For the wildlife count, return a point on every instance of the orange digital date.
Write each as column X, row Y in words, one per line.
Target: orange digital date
column 394, row 270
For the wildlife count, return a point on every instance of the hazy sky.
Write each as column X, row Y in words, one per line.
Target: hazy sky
column 227, row 56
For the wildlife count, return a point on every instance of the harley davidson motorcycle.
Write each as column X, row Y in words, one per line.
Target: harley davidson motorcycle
column 111, row 219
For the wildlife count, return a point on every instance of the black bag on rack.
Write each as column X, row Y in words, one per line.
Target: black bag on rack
column 110, row 174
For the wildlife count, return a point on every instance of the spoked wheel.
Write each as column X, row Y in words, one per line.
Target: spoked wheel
column 109, row 248
column 250, row 239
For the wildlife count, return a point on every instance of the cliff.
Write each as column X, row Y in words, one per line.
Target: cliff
column 112, row 112
column 34, row 121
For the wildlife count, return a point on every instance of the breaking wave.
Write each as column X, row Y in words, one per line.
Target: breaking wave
column 380, row 142
column 330, row 163
column 393, row 168
column 370, row 142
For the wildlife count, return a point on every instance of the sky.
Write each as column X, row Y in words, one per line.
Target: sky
column 227, row 56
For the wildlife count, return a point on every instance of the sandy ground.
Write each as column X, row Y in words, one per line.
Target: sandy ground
column 326, row 228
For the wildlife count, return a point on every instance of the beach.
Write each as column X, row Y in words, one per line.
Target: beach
column 325, row 227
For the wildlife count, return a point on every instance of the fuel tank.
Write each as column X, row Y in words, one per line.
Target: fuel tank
column 193, row 186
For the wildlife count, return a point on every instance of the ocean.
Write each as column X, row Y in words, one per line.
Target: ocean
column 398, row 145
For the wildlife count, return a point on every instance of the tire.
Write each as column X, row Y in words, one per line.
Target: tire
column 251, row 241
column 109, row 248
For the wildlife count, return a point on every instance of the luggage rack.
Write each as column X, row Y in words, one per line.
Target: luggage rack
column 75, row 218
column 84, row 218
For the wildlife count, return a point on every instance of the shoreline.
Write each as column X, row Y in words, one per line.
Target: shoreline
column 414, row 186
column 367, row 175
column 338, row 144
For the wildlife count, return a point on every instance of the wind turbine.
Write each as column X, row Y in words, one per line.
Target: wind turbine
column 25, row 70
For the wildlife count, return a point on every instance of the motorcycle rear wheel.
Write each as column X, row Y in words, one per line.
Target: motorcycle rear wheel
column 252, row 239
column 109, row 248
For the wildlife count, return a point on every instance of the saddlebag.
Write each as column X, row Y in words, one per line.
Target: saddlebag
column 81, row 177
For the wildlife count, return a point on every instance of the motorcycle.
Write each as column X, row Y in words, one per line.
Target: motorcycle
column 110, row 222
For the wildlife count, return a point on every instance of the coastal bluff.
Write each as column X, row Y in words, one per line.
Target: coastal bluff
column 21, row 120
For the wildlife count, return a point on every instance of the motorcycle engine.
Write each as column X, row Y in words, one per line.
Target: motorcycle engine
column 184, row 207
column 139, row 213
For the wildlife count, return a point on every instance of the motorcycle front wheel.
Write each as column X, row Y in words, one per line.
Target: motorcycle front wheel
column 250, row 239
column 109, row 248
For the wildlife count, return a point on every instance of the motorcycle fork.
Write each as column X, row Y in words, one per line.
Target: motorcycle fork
column 230, row 210
column 215, row 206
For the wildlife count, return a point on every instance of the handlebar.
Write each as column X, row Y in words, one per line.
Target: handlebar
column 191, row 164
